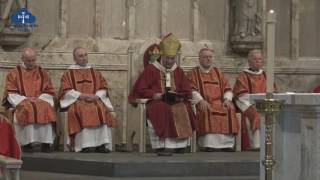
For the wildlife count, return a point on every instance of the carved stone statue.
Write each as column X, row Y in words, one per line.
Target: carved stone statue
column 247, row 24
column 9, row 36
column 7, row 7
column 249, row 20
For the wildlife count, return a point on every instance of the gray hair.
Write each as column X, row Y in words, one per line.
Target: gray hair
column 252, row 52
column 75, row 50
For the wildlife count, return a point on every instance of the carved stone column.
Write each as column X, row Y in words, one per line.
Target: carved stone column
column 131, row 18
column 246, row 25
column 295, row 16
column 195, row 9
column 63, row 18
column 98, row 19
column 164, row 8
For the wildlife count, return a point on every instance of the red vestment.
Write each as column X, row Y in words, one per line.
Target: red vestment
column 212, row 86
column 9, row 145
column 249, row 83
column 316, row 89
column 169, row 121
column 30, row 83
column 82, row 114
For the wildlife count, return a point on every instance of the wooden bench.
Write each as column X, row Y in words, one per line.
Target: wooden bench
column 11, row 167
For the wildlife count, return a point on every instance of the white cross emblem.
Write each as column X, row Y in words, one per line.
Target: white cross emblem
column 23, row 16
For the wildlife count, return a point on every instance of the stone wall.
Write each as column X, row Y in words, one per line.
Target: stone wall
column 117, row 32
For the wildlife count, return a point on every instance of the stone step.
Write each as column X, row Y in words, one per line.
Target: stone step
column 145, row 165
column 36, row 175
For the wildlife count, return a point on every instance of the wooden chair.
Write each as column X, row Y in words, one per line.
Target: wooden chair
column 143, row 128
column 238, row 137
column 11, row 167
column 8, row 113
column 63, row 126
column 10, row 152
column 142, row 124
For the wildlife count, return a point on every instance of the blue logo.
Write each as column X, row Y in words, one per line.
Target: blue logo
column 23, row 20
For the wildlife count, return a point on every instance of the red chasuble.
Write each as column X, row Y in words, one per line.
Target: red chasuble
column 83, row 113
column 30, row 83
column 248, row 83
column 212, row 86
column 169, row 121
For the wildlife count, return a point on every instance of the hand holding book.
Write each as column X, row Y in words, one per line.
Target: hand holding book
column 172, row 97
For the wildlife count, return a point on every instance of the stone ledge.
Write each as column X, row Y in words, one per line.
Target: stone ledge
column 145, row 165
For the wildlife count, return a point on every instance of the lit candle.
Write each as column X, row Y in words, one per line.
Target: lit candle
column 271, row 20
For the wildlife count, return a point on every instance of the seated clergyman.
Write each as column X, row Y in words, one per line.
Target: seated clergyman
column 84, row 93
column 170, row 117
column 30, row 92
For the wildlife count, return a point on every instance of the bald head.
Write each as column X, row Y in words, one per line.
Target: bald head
column 28, row 58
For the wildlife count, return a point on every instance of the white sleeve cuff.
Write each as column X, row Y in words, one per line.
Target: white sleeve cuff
column 48, row 98
column 196, row 97
column 243, row 103
column 15, row 99
column 69, row 98
column 102, row 94
column 228, row 95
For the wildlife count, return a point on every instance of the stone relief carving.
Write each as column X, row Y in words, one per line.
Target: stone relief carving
column 9, row 36
column 246, row 25
column 249, row 20
column 7, row 7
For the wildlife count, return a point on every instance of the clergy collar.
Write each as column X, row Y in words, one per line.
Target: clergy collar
column 254, row 72
column 24, row 66
column 163, row 69
column 76, row 66
column 205, row 70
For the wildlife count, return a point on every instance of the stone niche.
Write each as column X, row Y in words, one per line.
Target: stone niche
column 10, row 36
column 246, row 24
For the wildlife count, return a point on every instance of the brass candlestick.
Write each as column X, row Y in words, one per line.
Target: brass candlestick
column 269, row 107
